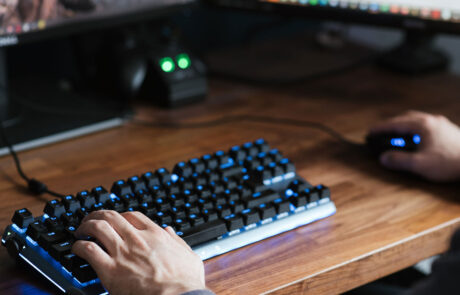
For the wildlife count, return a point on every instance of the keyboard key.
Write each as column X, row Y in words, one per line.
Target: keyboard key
column 35, row 229
column 151, row 179
column 283, row 207
column 163, row 175
column 101, row 194
column 71, row 204
column 59, row 250
column 250, row 216
column 86, row 199
column 121, row 188
column 205, row 232
column 136, row 183
column 257, row 199
column 54, row 208
column 22, row 218
column 46, row 240
column 84, row 273
column 267, row 212
column 234, row 222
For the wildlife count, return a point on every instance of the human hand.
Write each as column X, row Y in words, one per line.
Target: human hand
column 438, row 158
column 140, row 256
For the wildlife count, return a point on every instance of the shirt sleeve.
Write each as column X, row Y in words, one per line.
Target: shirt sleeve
column 199, row 292
column 445, row 273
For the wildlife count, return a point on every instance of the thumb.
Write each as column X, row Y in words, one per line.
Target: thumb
column 397, row 160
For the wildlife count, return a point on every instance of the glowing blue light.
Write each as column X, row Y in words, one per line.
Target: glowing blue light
column 260, row 141
column 417, row 139
column 120, row 182
column 398, row 142
column 289, row 192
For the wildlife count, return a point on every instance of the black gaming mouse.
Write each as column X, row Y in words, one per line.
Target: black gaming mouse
column 379, row 143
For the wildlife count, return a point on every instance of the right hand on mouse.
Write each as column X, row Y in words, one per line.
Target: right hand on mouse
column 140, row 256
column 438, row 158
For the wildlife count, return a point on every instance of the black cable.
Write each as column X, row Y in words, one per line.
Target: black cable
column 251, row 118
column 35, row 186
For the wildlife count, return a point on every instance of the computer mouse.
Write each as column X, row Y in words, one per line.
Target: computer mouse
column 133, row 73
column 379, row 143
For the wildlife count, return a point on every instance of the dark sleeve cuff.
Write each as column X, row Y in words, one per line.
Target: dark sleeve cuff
column 199, row 292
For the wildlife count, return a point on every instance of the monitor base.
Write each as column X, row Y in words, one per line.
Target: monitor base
column 416, row 55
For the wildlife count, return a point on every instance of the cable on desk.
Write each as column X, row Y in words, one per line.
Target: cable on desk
column 250, row 118
column 33, row 185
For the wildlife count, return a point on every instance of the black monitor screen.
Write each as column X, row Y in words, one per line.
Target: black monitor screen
column 438, row 10
column 23, row 17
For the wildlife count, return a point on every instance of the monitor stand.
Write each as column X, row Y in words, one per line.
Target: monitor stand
column 416, row 55
column 36, row 111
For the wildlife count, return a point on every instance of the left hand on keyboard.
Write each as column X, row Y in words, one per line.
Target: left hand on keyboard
column 140, row 256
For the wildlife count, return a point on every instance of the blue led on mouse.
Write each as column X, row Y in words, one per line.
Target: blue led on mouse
column 379, row 143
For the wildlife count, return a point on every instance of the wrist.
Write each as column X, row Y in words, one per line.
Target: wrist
column 175, row 289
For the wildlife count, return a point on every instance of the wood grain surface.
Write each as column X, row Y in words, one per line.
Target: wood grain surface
column 385, row 221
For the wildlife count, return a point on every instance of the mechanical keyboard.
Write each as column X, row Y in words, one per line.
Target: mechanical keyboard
column 216, row 203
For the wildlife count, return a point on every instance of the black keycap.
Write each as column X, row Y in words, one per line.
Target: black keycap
column 251, row 163
column 84, row 273
column 86, row 199
column 181, row 225
column 210, row 215
column 277, row 171
column 250, row 216
column 148, row 210
column 251, row 149
column 22, row 218
column 162, row 204
column 136, row 183
column 224, row 210
column 262, row 146
column 54, row 208
column 70, row 218
column 299, row 200
column 299, row 185
column 221, row 157
column 233, row 171
column 35, row 229
column 263, row 159
column 257, row 199
column 81, row 213
column 205, row 232
column 275, row 155
column 234, row 222
column 121, row 188
column 324, row 191
column 232, row 195
column 282, row 207
column 150, row 179
column 101, row 194
column 144, row 197
column 197, row 165
column 46, row 240
column 237, row 153
column 178, row 212
column 267, row 212
column 67, row 261
column 129, row 200
column 173, row 189
column 212, row 176
column 175, row 201
column 163, row 175
column 237, row 206
column 260, row 174
column 196, row 219
column 71, row 204
column 183, row 169
column 59, row 250
column 312, row 195
column 53, row 224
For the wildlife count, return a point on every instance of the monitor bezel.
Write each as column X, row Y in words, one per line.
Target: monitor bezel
column 345, row 15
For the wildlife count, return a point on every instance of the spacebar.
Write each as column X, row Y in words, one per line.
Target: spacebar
column 204, row 232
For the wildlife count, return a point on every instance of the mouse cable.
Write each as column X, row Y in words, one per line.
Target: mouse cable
column 33, row 185
column 250, row 118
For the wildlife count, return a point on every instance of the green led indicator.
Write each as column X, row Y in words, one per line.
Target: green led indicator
column 167, row 64
column 314, row 2
column 183, row 61
column 385, row 8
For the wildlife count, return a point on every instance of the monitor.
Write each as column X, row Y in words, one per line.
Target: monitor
column 41, row 115
column 421, row 19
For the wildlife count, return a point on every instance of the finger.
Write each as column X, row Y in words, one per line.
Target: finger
column 94, row 254
column 173, row 234
column 118, row 223
column 103, row 232
column 138, row 220
column 397, row 160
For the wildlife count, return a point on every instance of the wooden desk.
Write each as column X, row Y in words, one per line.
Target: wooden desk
column 385, row 221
